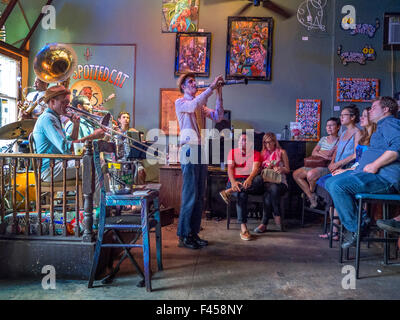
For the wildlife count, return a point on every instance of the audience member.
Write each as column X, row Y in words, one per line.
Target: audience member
column 275, row 168
column 368, row 128
column 243, row 168
column 305, row 177
column 378, row 170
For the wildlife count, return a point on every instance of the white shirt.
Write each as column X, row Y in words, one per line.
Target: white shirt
column 186, row 108
column 31, row 97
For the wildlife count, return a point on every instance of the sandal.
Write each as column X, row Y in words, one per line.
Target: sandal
column 326, row 236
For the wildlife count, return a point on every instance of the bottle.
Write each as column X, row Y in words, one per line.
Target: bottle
column 286, row 133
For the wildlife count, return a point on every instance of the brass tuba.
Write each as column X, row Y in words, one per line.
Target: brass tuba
column 54, row 63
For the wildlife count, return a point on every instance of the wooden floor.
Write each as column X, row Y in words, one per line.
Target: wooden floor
column 295, row 264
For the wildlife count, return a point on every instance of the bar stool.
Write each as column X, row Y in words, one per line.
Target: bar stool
column 149, row 218
column 385, row 199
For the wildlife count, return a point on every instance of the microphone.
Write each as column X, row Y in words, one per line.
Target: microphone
column 226, row 83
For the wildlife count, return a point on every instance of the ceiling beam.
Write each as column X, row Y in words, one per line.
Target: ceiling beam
column 13, row 49
column 39, row 18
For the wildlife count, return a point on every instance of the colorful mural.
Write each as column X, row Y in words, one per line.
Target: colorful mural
column 180, row 15
column 308, row 114
column 357, row 89
column 249, row 48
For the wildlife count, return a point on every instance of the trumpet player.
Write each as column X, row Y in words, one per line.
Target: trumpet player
column 32, row 97
column 194, row 172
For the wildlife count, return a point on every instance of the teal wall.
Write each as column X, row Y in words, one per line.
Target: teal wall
column 381, row 68
column 300, row 69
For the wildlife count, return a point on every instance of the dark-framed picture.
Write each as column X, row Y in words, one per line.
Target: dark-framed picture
column 357, row 89
column 192, row 53
column 168, row 120
column 249, row 48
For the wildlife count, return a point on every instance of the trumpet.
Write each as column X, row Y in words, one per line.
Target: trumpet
column 227, row 83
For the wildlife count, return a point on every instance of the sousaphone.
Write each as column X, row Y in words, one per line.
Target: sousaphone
column 55, row 62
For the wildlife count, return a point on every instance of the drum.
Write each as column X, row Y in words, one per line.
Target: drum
column 121, row 176
column 21, row 189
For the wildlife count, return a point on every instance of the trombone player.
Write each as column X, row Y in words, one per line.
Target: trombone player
column 85, row 127
column 50, row 137
column 34, row 97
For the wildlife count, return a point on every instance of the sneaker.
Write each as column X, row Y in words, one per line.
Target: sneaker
column 350, row 240
column 225, row 196
column 245, row 235
column 390, row 225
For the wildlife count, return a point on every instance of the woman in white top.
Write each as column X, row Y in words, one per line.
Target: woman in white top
column 306, row 177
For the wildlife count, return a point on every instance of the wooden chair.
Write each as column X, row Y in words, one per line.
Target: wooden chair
column 139, row 225
column 45, row 187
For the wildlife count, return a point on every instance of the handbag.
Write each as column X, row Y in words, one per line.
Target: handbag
column 316, row 162
column 269, row 175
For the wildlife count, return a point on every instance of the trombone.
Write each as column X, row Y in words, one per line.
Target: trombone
column 102, row 122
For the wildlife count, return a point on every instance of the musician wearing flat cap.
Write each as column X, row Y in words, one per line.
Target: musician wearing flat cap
column 193, row 171
column 50, row 137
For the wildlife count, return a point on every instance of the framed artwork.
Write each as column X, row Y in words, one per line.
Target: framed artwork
column 168, row 114
column 107, row 82
column 356, row 89
column 192, row 53
column 249, row 48
column 308, row 114
column 180, row 15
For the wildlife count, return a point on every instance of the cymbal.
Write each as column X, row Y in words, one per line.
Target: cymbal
column 17, row 130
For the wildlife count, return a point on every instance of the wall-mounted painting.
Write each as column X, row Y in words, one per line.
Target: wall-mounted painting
column 356, row 89
column 168, row 113
column 249, row 48
column 180, row 15
column 308, row 114
column 192, row 53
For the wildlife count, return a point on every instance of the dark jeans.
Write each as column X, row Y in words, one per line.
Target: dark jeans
column 272, row 200
column 345, row 186
column 242, row 196
column 194, row 180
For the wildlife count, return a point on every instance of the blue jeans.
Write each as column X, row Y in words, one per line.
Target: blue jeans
column 242, row 196
column 194, row 180
column 345, row 186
